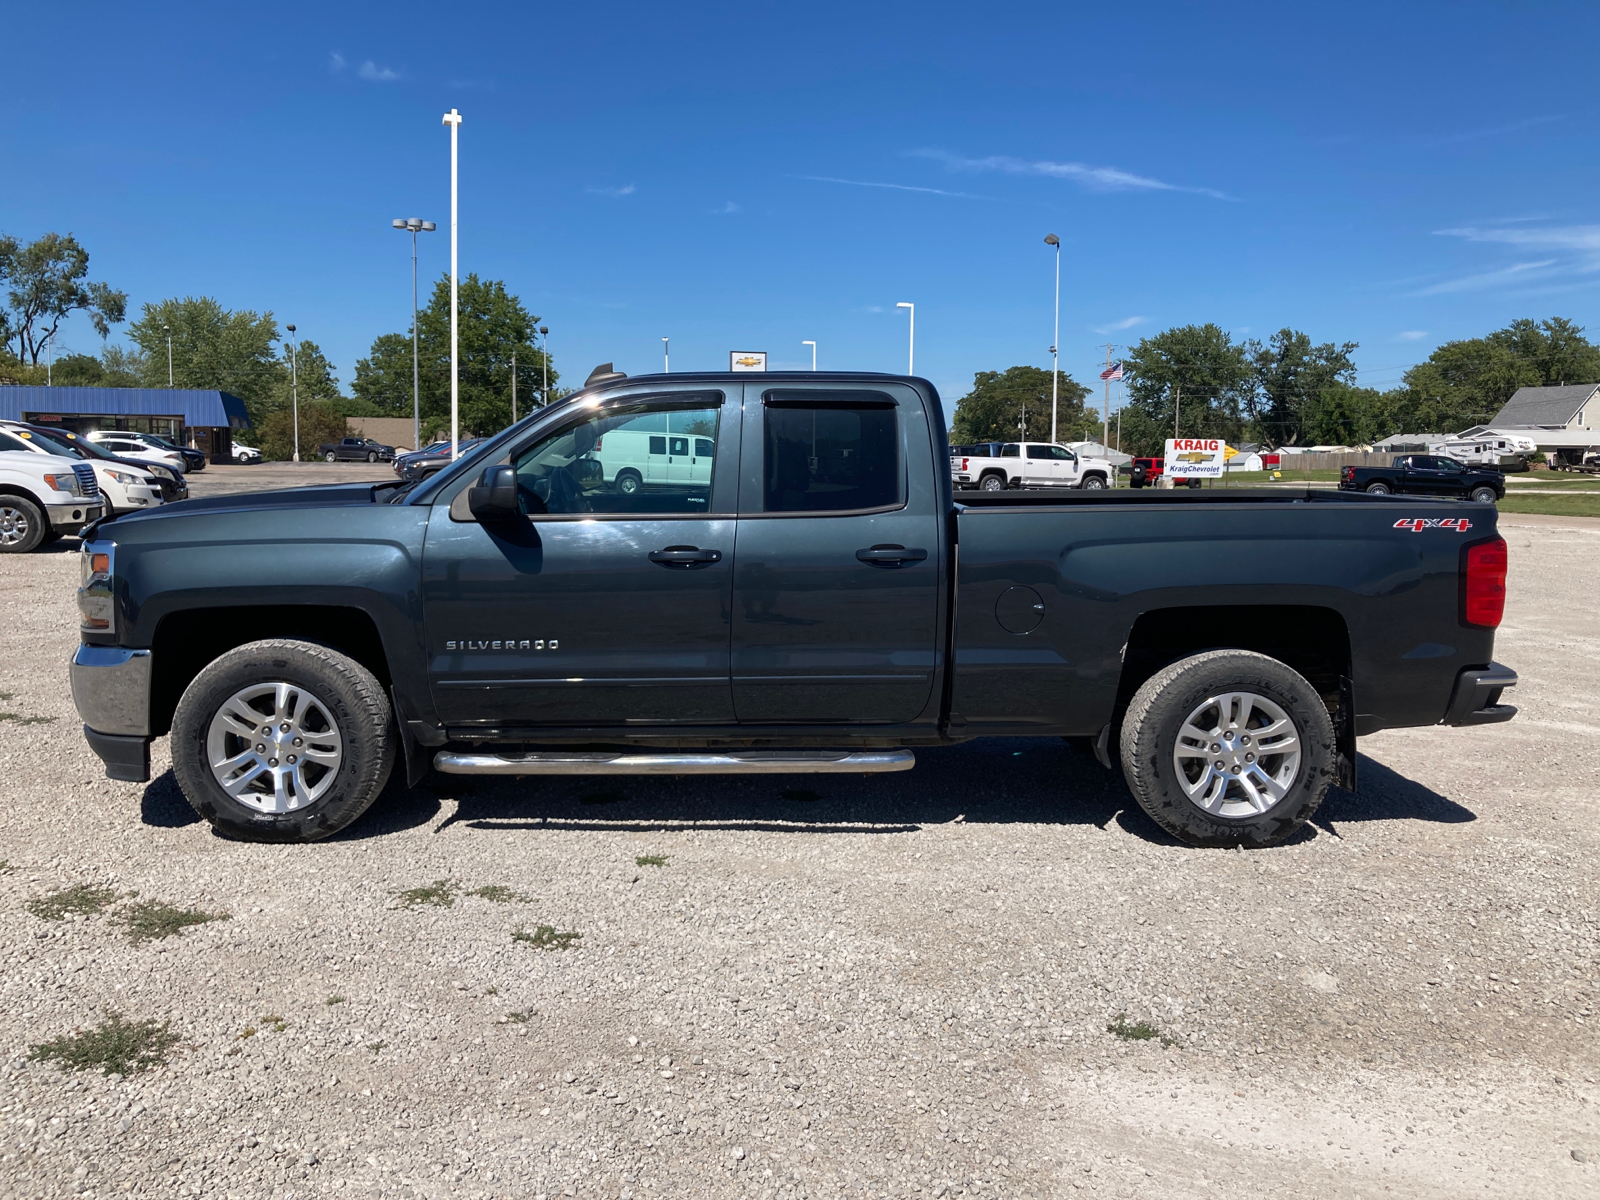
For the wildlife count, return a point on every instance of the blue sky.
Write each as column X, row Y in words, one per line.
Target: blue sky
column 743, row 178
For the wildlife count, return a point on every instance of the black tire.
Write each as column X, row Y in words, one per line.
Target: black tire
column 1379, row 489
column 1483, row 495
column 353, row 698
column 22, row 525
column 372, row 456
column 992, row 483
column 330, row 456
column 629, row 482
column 1094, row 483
column 1167, row 700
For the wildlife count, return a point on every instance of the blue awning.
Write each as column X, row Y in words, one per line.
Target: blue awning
column 191, row 406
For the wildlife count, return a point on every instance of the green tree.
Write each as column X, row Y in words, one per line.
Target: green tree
column 123, row 367
column 319, row 422
column 78, row 370
column 307, row 369
column 1189, row 381
column 212, row 348
column 494, row 325
column 1345, row 415
column 1290, row 375
column 1014, row 404
column 48, row 280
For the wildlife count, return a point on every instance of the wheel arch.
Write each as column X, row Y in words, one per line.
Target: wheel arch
column 187, row 640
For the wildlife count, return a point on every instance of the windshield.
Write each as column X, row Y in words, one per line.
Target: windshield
column 26, row 439
column 63, row 443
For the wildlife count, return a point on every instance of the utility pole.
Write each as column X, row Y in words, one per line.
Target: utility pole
column 513, row 387
column 544, row 392
column 666, row 356
column 1055, row 338
column 167, row 329
column 453, row 119
column 1177, row 406
column 294, row 390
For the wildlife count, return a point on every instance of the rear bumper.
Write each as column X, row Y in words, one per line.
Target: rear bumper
column 1476, row 700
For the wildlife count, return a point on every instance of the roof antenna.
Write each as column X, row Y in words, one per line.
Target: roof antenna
column 603, row 374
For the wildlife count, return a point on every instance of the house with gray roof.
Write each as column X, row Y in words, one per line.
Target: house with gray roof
column 1573, row 406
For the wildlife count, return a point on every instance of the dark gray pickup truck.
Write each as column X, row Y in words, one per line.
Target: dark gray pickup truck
column 734, row 573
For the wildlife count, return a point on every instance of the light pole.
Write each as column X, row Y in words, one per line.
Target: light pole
column 453, row 119
column 294, row 390
column 544, row 392
column 414, row 226
column 1051, row 239
column 167, row 329
column 666, row 359
column 911, row 349
column 813, row 346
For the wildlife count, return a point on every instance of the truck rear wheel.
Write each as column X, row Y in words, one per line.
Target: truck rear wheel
column 22, row 525
column 282, row 741
column 1378, row 489
column 1228, row 748
column 992, row 483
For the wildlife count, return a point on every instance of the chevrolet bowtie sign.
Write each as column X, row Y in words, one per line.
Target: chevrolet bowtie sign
column 749, row 360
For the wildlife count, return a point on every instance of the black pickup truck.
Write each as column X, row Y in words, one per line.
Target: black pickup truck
column 799, row 593
column 356, row 449
column 1426, row 475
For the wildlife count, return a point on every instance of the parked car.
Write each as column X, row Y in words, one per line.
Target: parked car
column 356, row 449
column 425, row 462
column 125, row 486
column 1028, row 465
column 125, row 445
column 1144, row 472
column 244, row 455
column 193, row 460
column 42, row 496
column 799, row 609
column 1426, row 475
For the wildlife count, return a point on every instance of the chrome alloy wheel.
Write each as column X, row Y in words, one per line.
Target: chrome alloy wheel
column 13, row 525
column 274, row 747
column 1237, row 754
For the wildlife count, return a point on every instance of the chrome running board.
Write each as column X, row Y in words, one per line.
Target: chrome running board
column 737, row 762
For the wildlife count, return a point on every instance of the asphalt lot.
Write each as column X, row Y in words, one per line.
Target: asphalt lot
column 896, row 986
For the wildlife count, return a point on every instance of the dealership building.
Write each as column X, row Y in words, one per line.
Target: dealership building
column 205, row 420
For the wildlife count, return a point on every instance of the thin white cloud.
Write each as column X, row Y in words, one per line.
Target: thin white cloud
column 897, row 187
column 335, row 61
column 373, row 73
column 1554, row 237
column 1411, row 335
column 626, row 189
column 1118, row 326
column 726, row 209
column 1471, row 283
column 1473, row 135
column 1092, row 178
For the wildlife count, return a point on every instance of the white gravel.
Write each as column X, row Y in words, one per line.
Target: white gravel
column 899, row 988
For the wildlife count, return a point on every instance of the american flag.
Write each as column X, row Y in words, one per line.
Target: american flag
column 1114, row 371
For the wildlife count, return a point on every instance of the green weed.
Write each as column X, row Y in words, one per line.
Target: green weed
column 441, row 893
column 498, row 893
column 334, row 999
column 545, row 937
column 1139, row 1031
column 151, row 920
column 116, row 1046
column 19, row 719
column 83, row 899
column 522, row 1017
column 651, row 860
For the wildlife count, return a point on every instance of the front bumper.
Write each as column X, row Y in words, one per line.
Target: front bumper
column 111, row 688
column 1476, row 700
column 69, row 518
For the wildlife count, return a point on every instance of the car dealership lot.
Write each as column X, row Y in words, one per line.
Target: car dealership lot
column 886, row 986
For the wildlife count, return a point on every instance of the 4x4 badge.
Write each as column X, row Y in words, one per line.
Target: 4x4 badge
column 1418, row 524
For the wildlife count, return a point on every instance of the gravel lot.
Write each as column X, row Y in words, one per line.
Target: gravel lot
column 896, row 986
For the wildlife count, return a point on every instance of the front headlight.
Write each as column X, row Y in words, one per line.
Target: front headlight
column 64, row 483
column 97, row 593
column 124, row 478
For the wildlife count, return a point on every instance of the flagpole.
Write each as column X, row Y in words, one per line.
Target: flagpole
column 1105, row 437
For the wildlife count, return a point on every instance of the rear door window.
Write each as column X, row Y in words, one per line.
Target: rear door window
column 830, row 456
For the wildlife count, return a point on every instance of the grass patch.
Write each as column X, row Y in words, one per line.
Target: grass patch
column 491, row 990
column 6, row 868
column 602, row 798
column 545, row 937
column 376, row 1046
column 115, row 1046
column 651, row 860
column 441, row 893
column 498, row 893
column 19, row 719
column 1138, row 1031
column 151, row 920
column 82, row 899
column 522, row 1017
column 334, row 999
column 802, row 796
column 1565, row 504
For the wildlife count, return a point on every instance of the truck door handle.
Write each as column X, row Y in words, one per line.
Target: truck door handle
column 891, row 556
column 685, row 556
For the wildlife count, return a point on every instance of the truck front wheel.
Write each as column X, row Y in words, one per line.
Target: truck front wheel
column 22, row 525
column 282, row 741
column 1228, row 748
column 330, row 456
column 1094, row 483
column 629, row 482
column 1378, row 489
column 1483, row 495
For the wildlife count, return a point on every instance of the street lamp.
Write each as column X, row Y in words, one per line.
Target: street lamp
column 167, row 329
column 414, row 226
column 911, row 351
column 813, row 346
column 1051, row 239
column 294, row 390
column 544, row 392
column 666, row 359
column 453, row 119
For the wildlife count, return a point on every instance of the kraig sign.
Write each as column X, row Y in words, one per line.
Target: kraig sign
column 1195, row 458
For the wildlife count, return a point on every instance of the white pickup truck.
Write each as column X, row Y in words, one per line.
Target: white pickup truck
column 993, row 466
column 43, row 496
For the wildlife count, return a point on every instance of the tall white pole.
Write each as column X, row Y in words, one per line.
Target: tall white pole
column 1055, row 349
column 416, row 375
column 813, row 346
column 453, row 119
column 911, row 347
column 666, row 359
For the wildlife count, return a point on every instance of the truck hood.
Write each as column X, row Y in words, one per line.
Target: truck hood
column 341, row 495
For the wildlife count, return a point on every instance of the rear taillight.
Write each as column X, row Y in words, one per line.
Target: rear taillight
column 963, row 464
column 1483, row 584
column 1349, row 472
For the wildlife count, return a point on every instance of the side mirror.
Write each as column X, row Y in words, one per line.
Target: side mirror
column 495, row 496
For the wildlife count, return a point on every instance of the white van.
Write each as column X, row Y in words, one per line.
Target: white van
column 633, row 457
